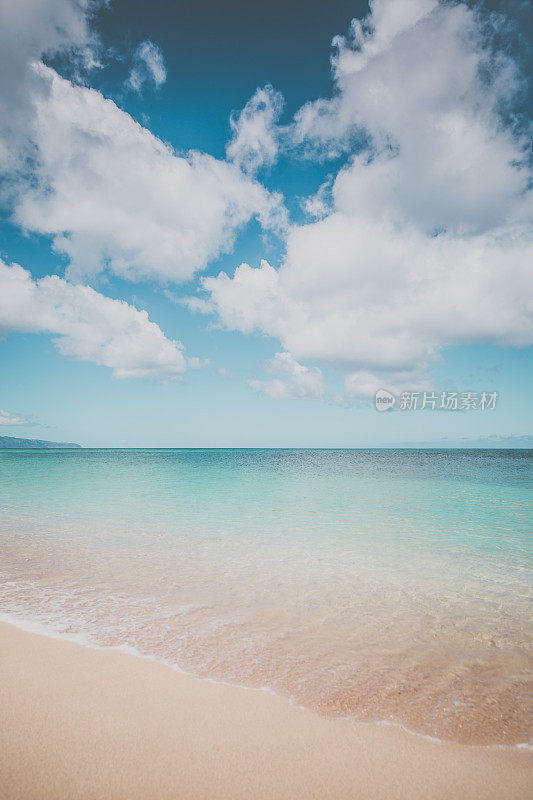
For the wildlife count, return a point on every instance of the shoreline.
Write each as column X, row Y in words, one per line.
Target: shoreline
column 41, row 629
column 91, row 722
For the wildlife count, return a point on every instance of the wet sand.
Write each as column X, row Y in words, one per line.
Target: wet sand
column 88, row 724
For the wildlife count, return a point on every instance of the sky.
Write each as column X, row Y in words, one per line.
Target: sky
column 230, row 225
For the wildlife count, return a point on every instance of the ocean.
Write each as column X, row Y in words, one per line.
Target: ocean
column 381, row 585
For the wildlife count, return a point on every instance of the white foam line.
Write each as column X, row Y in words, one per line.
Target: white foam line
column 41, row 629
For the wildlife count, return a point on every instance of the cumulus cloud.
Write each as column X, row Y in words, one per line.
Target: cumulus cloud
column 87, row 325
column 424, row 239
column 29, row 31
column 7, row 418
column 114, row 196
column 148, row 65
column 255, row 139
column 292, row 380
column 197, row 363
column 421, row 83
column 80, row 170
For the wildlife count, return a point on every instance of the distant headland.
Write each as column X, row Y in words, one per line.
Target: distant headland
column 13, row 443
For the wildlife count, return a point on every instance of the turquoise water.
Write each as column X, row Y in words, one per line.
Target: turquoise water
column 379, row 584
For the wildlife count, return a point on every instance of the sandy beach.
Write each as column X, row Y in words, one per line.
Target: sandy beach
column 84, row 723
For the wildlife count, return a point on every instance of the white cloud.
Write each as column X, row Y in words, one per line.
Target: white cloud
column 255, row 143
column 197, row 363
column 30, row 30
column 114, row 196
column 80, row 170
column 292, row 380
column 87, row 325
column 387, row 302
column 363, row 384
column 149, row 65
column 419, row 80
column 7, row 418
column 425, row 239
column 421, row 240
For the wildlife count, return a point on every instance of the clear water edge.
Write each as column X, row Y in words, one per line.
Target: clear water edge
column 58, row 529
column 40, row 629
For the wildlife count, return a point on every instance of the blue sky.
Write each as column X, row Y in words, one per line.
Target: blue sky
column 379, row 190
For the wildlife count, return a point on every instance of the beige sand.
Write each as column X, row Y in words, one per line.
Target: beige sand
column 83, row 723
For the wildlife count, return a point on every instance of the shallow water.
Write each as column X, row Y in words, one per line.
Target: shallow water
column 380, row 584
